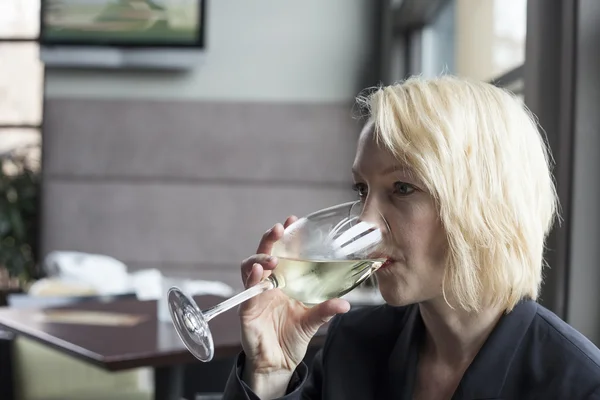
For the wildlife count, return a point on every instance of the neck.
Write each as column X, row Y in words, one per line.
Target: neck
column 454, row 336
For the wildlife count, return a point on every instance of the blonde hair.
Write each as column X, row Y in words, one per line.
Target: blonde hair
column 480, row 154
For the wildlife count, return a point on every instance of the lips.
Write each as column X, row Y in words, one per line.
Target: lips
column 380, row 255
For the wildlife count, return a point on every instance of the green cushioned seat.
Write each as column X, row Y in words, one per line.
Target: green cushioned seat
column 42, row 373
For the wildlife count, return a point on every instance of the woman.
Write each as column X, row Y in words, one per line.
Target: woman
column 462, row 175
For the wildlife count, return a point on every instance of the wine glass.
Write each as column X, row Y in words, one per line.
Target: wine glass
column 321, row 256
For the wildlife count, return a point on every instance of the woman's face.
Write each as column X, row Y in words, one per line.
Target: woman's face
column 416, row 241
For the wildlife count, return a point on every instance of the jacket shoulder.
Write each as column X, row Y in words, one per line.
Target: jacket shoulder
column 566, row 341
column 561, row 360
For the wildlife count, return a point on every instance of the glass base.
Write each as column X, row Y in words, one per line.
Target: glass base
column 190, row 324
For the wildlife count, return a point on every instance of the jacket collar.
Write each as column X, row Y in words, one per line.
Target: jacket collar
column 402, row 364
column 484, row 378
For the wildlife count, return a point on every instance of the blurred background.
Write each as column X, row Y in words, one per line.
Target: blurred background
column 157, row 140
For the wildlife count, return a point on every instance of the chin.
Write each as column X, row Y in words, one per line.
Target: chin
column 394, row 292
column 394, row 287
column 395, row 300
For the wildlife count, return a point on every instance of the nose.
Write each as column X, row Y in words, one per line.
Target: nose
column 371, row 213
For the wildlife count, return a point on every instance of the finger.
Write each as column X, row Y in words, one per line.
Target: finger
column 269, row 238
column 267, row 262
column 290, row 220
column 322, row 313
column 255, row 275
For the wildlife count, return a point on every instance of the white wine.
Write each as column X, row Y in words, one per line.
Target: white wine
column 315, row 281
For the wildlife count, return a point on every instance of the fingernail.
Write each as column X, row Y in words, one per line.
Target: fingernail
column 272, row 259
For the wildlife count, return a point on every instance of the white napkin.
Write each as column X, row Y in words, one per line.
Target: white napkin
column 105, row 274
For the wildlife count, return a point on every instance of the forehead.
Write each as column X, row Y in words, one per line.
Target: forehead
column 372, row 157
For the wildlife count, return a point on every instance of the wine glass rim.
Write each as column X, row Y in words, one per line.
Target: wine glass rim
column 348, row 204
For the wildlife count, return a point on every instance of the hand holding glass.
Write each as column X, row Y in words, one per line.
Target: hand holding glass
column 322, row 256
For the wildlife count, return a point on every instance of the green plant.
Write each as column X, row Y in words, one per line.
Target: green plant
column 19, row 192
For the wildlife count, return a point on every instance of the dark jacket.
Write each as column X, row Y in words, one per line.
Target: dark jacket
column 372, row 354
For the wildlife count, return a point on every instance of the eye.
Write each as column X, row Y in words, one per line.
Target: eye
column 403, row 188
column 361, row 190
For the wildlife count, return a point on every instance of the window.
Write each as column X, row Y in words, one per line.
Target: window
column 490, row 37
column 19, row 19
column 21, row 76
column 21, row 99
column 438, row 43
column 510, row 29
column 479, row 39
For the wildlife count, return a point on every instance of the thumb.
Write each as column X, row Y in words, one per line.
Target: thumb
column 322, row 313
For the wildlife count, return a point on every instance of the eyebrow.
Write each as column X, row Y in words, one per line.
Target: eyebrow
column 389, row 170
column 396, row 168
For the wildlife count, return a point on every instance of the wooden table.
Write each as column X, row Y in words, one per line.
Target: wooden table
column 150, row 343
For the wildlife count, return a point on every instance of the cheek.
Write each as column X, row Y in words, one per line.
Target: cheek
column 419, row 235
column 421, row 248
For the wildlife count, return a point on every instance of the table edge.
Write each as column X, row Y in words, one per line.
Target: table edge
column 55, row 343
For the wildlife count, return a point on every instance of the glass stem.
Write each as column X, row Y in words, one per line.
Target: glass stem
column 263, row 286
